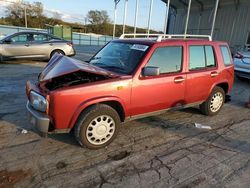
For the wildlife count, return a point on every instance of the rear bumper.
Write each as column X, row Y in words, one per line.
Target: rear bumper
column 40, row 120
column 71, row 53
column 242, row 74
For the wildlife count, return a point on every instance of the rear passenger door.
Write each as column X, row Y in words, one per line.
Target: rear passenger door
column 202, row 72
column 40, row 45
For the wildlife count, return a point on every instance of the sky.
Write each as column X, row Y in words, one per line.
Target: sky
column 76, row 10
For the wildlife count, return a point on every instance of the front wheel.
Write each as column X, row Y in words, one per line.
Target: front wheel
column 97, row 126
column 214, row 103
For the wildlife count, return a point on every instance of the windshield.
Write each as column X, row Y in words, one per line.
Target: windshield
column 120, row 57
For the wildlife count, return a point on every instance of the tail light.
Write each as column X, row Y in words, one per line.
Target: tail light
column 238, row 55
column 70, row 44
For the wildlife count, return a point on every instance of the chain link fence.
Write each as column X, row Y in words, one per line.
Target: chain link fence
column 77, row 38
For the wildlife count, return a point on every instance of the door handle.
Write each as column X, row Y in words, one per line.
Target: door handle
column 214, row 74
column 179, row 80
column 51, row 44
column 27, row 45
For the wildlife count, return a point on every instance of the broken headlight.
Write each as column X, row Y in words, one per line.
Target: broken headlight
column 38, row 102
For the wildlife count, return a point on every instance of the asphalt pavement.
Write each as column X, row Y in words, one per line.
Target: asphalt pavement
column 159, row 151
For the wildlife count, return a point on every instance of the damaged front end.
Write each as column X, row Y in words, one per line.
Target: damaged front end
column 60, row 72
column 63, row 71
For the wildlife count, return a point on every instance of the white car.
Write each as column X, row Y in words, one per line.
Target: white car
column 242, row 64
column 33, row 45
column 2, row 36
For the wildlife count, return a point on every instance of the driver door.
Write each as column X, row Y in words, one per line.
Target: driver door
column 155, row 93
column 17, row 46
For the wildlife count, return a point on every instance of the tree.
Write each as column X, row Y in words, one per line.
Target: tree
column 15, row 13
column 97, row 17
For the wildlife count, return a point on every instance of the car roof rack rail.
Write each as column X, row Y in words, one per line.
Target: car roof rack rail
column 160, row 37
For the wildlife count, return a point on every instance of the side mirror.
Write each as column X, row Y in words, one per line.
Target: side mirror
column 150, row 71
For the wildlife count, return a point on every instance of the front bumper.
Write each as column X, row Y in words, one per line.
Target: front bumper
column 40, row 120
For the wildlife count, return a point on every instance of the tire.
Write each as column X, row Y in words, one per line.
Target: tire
column 56, row 51
column 214, row 103
column 97, row 126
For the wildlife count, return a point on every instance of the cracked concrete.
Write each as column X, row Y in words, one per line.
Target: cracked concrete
column 159, row 151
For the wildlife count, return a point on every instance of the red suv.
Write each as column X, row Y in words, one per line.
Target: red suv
column 126, row 80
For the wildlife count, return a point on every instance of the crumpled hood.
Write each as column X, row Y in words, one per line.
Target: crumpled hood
column 60, row 65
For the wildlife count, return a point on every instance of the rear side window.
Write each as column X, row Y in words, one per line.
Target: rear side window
column 168, row 59
column 226, row 55
column 40, row 37
column 201, row 57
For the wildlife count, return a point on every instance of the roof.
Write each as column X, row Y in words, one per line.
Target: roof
column 180, row 4
column 42, row 32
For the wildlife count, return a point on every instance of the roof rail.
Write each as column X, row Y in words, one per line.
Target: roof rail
column 160, row 37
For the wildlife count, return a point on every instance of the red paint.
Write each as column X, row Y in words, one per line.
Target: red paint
column 140, row 95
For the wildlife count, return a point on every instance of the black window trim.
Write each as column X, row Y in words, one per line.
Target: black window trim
column 206, row 67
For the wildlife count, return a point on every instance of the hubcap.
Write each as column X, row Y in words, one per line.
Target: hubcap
column 216, row 102
column 100, row 130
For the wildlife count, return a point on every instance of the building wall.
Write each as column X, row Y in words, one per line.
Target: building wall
column 232, row 23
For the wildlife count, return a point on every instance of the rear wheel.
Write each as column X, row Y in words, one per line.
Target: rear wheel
column 56, row 51
column 97, row 126
column 214, row 103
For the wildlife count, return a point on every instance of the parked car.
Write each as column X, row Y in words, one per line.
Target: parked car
column 126, row 80
column 242, row 64
column 34, row 45
column 2, row 36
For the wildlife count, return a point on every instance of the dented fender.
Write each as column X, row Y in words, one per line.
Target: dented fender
column 84, row 105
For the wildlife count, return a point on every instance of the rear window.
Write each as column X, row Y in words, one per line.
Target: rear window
column 226, row 55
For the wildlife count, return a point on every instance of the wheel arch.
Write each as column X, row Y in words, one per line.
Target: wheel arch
column 54, row 50
column 224, row 85
column 113, row 102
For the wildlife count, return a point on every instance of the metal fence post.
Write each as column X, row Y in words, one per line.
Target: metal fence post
column 215, row 14
column 114, row 20
column 166, row 18
column 150, row 14
column 136, row 16
column 80, row 39
column 125, row 16
column 187, row 20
